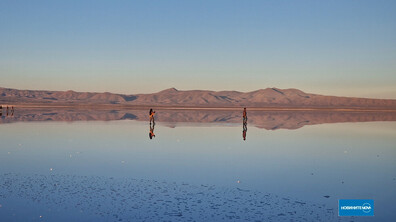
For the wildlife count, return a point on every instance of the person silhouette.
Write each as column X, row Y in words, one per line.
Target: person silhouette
column 12, row 110
column 7, row 111
column 151, row 133
column 244, row 124
column 244, row 114
column 151, row 116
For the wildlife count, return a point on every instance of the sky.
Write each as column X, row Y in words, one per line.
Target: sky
column 344, row 48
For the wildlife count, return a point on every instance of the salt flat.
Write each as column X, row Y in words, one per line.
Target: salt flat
column 127, row 199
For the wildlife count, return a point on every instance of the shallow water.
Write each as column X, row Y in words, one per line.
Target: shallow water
column 198, row 170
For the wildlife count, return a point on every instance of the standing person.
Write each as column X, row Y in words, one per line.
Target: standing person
column 244, row 125
column 1, row 110
column 244, row 114
column 12, row 110
column 151, row 115
column 7, row 111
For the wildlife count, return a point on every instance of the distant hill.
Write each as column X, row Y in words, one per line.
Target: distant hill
column 269, row 97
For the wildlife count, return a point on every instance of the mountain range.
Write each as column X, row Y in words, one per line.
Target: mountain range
column 269, row 97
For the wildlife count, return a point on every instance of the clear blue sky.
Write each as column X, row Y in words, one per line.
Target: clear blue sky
column 327, row 47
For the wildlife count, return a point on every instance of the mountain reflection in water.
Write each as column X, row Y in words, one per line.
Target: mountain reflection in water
column 270, row 120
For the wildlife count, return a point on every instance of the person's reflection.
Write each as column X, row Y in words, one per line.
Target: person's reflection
column 244, row 125
column 151, row 133
column 244, row 130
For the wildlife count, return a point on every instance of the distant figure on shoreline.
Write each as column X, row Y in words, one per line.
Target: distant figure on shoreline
column 12, row 110
column 151, row 133
column 151, row 116
column 244, row 114
column 7, row 111
column 1, row 110
column 244, row 124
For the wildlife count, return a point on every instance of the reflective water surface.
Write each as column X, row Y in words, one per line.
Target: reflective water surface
column 194, row 165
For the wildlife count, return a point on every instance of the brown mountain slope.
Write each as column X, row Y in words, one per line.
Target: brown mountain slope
column 269, row 97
